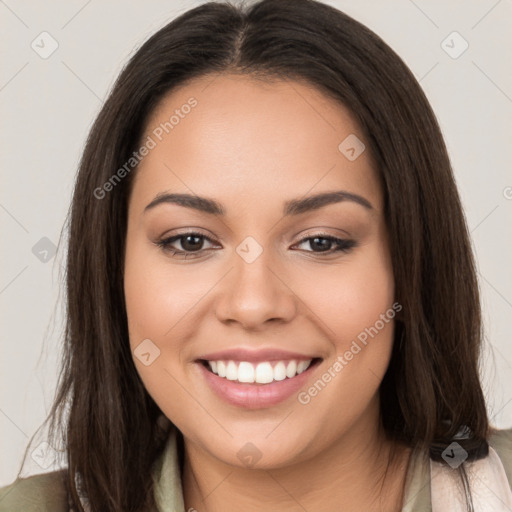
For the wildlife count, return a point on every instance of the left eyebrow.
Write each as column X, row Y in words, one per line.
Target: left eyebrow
column 298, row 206
column 292, row 207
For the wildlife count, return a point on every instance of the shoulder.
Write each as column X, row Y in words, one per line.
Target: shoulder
column 41, row 493
column 501, row 442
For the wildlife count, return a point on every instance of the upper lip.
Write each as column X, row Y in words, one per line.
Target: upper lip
column 254, row 356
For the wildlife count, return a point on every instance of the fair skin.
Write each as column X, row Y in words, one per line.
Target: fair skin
column 253, row 146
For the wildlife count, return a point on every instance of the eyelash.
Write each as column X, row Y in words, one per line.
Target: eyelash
column 343, row 245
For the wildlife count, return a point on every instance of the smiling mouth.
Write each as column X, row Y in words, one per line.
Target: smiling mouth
column 264, row 372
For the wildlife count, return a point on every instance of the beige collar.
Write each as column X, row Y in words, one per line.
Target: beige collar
column 167, row 479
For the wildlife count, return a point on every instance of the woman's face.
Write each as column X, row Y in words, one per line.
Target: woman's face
column 261, row 284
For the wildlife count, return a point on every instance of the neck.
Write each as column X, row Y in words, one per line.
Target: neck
column 350, row 476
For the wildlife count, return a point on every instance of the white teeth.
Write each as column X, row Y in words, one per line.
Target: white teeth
column 262, row 373
column 291, row 369
column 245, row 372
column 231, row 371
column 302, row 366
column 221, row 369
column 279, row 371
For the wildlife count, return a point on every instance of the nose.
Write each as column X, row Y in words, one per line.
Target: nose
column 255, row 294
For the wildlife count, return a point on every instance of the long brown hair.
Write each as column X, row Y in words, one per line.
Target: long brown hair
column 431, row 390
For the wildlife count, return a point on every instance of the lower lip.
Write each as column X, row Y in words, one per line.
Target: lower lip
column 256, row 396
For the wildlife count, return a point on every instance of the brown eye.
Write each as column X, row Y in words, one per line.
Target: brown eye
column 325, row 244
column 190, row 243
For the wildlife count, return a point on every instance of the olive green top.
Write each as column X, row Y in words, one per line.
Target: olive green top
column 45, row 492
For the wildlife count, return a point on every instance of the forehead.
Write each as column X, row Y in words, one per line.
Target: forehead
column 243, row 141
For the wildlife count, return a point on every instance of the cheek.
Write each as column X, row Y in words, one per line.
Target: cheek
column 353, row 296
column 357, row 306
column 363, row 297
column 154, row 304
column 161, row 301
column 157, row 294
column 150, row 299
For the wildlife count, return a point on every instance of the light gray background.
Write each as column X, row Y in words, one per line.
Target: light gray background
column 48, row 105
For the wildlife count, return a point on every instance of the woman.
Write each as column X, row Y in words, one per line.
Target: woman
column 272, row 300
